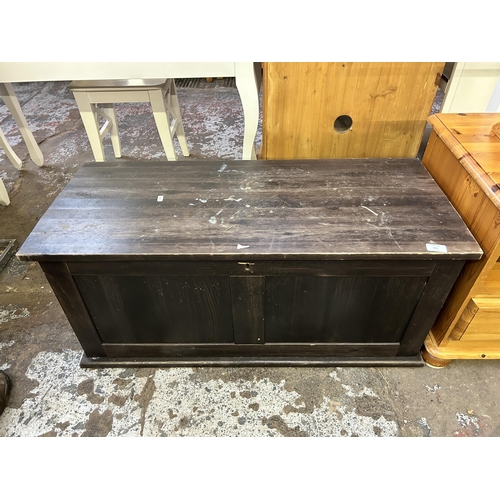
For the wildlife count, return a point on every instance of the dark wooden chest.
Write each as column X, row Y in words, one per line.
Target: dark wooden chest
column 251, row 262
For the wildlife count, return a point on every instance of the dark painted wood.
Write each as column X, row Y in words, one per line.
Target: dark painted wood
column 297, row 361
column 316, row 262
column 320, row 209
column 340, row 309
column 434, row 296
column 262, row 350
column 247, row 297
column 248, row 267
column 159, row 308
column 69, row 298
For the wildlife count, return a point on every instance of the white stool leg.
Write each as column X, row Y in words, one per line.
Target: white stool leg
column 176, row 112
column 248, row 84
column 4, row 197
column 11, row 155
column 160, row 114
column 109, row 113
column 9, row 97
column 91, row 123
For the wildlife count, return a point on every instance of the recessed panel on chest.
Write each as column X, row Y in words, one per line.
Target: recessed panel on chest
column 251, row 302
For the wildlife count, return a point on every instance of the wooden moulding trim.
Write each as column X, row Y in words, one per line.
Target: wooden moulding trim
column 457, row 350
column 324, row 349
column 102, row 362
column 485, row 182
column 464, row 320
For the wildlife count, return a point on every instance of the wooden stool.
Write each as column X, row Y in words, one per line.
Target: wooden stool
column 160, row 93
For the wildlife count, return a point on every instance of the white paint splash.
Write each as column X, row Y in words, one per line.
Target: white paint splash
column 466, row 420
column 241, row 247
column 12, row 312
column 433, row 389
column 212, row 220
column 369, row 209
column 182, row 403
column 6, row 366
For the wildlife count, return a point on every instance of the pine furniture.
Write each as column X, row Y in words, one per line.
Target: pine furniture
column 463, row 156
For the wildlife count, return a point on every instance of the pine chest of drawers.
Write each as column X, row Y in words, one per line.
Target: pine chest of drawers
column 463, row 156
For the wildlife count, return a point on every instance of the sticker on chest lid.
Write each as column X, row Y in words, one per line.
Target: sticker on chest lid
column 432, row 247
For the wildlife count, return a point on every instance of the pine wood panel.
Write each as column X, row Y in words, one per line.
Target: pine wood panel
column 491, row 285
column 482, row 218
column 484, row 326
column 463, row 156
column 388, row 103
column 463, row 349
column 470, row 138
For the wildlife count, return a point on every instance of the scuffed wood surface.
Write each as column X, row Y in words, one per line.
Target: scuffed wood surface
column 308, row 209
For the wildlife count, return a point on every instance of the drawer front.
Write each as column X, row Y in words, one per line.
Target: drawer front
column 484, row 321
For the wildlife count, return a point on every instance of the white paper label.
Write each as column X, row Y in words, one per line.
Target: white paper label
column 432, row 247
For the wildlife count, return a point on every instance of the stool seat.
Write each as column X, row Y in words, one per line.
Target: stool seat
column 143, row 83
column 160, row 93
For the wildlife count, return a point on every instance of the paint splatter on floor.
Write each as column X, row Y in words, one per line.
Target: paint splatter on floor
column 71, row 401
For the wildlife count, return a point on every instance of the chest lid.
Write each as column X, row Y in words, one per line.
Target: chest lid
column 266, row 210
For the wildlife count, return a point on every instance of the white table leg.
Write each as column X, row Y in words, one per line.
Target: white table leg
column 162, row 123
column 11, row 155
column 9, row 97
column 90, row 121
column 4, row 197
column 248, row 78
column 176, row 111
column 108, row 111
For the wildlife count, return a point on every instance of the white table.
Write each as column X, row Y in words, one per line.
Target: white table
column 247, row 74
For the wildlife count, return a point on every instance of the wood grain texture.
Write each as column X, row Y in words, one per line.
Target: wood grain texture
column 481, row 216
column 388, row 103
column 318, row 209
column 66, row 291
column 435, row 293
column 340, row 309
column 251, row 361
column 262, row 350
column 247, row 298
column 266, row 259
column 159, row 308
column 463, row 156
column 471, row 141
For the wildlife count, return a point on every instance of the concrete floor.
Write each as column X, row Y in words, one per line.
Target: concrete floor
column 53, row 396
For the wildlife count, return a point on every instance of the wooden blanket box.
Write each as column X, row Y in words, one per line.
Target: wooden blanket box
column 296, row 262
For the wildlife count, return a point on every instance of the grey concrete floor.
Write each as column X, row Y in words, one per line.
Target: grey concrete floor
column 53, row 396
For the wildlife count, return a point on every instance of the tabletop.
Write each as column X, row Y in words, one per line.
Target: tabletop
column 291, row 209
